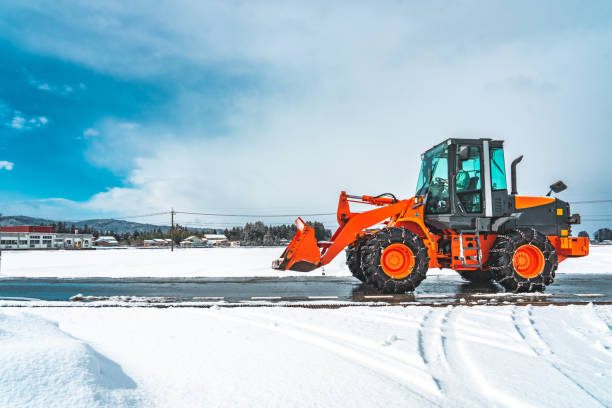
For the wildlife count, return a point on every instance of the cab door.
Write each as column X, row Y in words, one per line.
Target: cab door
column 469, row 179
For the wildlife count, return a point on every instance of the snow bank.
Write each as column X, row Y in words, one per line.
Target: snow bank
column 206, row 262
column 287, row 357
column 41, row 366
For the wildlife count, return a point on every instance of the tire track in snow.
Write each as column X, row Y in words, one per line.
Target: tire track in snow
column 469, row 330
column 432, row 345
column 436, row 343
column 597, row 324
column 370, row 355
column 533, row 338
column 605, row 316
column 444, row 333
column 496, row 397
column 356, row 341
column 421, row 347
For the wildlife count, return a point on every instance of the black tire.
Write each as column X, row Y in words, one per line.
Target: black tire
column 476, row 276
column 501, row 261
column 353, row 259
column 372, row 250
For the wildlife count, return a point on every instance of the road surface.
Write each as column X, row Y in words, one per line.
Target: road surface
column 435, row 290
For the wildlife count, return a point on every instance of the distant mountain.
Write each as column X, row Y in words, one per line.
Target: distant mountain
column 102, row 225
column 119, row 226
column 23, row 220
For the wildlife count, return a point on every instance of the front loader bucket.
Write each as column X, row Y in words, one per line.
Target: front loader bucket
column 302, row 253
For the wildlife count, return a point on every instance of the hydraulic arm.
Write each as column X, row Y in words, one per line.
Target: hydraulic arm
column 305, row 254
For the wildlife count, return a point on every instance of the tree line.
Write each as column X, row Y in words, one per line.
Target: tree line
column 258, row 233
column 252, row 234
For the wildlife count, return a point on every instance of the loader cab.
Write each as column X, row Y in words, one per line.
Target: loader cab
column 463, row 180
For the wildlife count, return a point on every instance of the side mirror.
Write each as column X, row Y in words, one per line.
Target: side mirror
column 463, row 153
column 557, row 187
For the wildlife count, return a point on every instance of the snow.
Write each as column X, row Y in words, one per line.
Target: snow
column 44, row 366
column 183, row 262
column 507, row 356
column 599, row 260
column 206, row 262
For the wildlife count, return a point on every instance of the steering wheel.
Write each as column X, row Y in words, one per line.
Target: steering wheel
column 440, row 180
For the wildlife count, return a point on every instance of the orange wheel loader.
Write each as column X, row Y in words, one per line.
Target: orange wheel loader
column 462, row 217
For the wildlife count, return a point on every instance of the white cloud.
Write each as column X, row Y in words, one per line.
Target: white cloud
column 6, row 165
column 345, row 95
column 90, row 132
column 348, row 108
column 129, row 125
column 63, row 90
column 20, row 122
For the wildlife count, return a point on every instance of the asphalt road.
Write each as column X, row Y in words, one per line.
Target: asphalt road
column 435, row 290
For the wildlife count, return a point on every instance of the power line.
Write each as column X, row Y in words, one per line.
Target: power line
column 142, row 215
column 591, row 202
column 254, row 215
column 322, row 214
column 596, row 219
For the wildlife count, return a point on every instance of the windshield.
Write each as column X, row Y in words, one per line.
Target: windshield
column 433, row 179
column 429, row 167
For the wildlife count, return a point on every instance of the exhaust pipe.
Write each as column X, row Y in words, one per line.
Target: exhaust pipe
column 513, row 174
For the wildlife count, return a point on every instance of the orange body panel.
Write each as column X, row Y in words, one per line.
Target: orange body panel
column 413, row 219
column 528, row 202
column 568, row 247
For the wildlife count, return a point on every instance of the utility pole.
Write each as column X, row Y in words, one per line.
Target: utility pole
column 172, row 228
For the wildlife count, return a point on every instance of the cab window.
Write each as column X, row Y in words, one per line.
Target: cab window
column 498, row 169
column 469, row 181
column 433, row 180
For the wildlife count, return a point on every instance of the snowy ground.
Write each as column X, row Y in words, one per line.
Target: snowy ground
column 217, row 262
column 556, row 356
column 213, row 262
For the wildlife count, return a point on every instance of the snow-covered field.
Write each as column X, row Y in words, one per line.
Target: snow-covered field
column 213, row 262
column 555, row 356
column 216, row 262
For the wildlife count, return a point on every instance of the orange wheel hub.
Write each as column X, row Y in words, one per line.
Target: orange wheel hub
column 528, row 261
column 397, row 261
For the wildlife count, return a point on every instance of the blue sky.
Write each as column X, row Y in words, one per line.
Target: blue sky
column 49, row 109
column 265, row 107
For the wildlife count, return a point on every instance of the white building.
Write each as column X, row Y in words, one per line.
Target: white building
column 35, row 237
column 106, row 241
column 192, row 241
column 216, row 239
column 73, row 240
